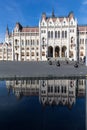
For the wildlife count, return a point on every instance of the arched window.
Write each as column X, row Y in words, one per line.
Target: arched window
column 48, row 34
column 82, row 41
column 31, row 42
column 55, row 34
column 51, row 34
column 65, row 34
column 43, row 42
column 61, row 89
column 51, row 89
column 62, row 34
column 22, row 42
column 58, row 34
column 15, row 41
column 81, row 53
column 71, row 39
column 55, row 89
column 37, row 42
column 58, row 89
column 28, row 42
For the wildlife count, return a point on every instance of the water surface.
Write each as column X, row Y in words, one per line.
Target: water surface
column 43, row 104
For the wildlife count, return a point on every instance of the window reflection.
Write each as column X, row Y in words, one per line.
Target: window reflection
column 51, row 92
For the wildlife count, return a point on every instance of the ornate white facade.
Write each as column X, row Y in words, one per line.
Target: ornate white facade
column 55, row 37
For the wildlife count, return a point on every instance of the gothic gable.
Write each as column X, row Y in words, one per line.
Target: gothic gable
column 43, row 23
column 64, row 22
column 57, row 22
column 50, row 22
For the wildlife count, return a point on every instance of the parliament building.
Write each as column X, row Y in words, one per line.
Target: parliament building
column 54, row 37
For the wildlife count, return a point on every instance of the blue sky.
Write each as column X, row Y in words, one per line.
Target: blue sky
column 28, row 12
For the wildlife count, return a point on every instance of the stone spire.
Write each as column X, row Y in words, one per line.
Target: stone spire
column 7, row 31
column 53, row 15
column 7, row 35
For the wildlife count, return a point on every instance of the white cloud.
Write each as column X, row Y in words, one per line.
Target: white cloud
column 85, row 2
column 83, row 8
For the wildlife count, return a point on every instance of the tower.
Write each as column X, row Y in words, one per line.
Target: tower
column 53, row 15
column 7, row 35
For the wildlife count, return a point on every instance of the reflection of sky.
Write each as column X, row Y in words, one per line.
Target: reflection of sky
column 2, row 84
column 29, row 114
column 5, row 100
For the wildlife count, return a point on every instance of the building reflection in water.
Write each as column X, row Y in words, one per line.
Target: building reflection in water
column 50, row 92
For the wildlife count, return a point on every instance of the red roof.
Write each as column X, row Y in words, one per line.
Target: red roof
column 30, row 29
column 82, row 28
column 55, row 18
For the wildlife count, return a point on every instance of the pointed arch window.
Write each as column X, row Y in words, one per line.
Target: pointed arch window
column 31, row 42
column 51, row 34
column 37, row 42
column 55, row 34
column 62, row 34
column 48, row 34
column 58, row 34
column 65, row 34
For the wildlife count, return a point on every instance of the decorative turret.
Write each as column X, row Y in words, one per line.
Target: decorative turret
column 18, row 27
column 71, row 15
column 43, row 15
